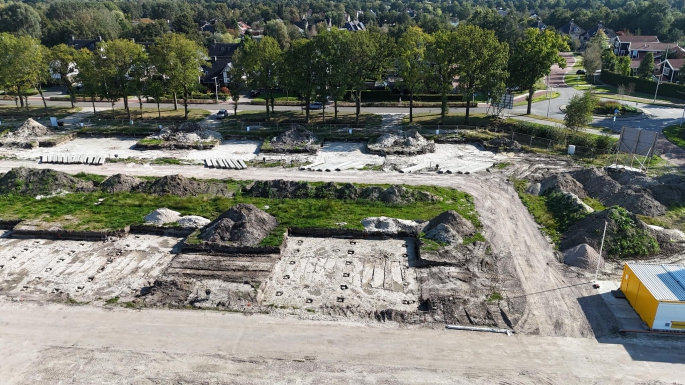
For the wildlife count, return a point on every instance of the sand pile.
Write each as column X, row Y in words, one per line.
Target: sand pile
column 242, row 225
column 391, row 225
column 29, row 129
column 162, row 216
column 583, row 256
column 193, row 222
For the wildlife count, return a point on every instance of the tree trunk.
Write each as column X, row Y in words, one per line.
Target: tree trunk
column 21, row 100
column 411, row 106
column 92, row 100
column 235, row 107
column 114, row 116
column 159, row 111
column 185, row 101
column 468, row 109
column 72, row 97
column 272, row 101
column 140, row 101
column 443, row 107
column 335, row 107
column 268, row 116
column 358, row 105
column 323, row 113
column 531, row 92
column 175, row 101
column 306, row 108
column 128, row 111
column 40, row 91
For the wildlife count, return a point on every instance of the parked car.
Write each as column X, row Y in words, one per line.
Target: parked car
column 580, row 72
column 254, row 93
column 315, row 106
column 222, row 114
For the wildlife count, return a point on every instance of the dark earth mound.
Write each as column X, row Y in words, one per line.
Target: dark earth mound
column 242, row 225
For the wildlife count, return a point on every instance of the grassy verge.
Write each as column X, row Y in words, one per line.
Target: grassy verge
column 151, row 114
column 34, row 111
column 676, row 135
column 537, row 99
column 434, row 119
column 78, row 211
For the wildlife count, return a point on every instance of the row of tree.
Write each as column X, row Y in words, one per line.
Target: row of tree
column 114, row 71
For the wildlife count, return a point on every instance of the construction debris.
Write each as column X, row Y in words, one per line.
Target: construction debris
column 28, row 130
column 402, row 143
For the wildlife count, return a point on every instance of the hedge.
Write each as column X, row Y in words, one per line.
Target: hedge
column 645, row 86
column 391, row 96
column 562, row 135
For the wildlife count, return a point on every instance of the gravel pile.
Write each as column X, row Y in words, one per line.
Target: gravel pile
column 193, row 222
column 187, row 133
column 162, row 216
column 387, row 225
column 295, row 136
column 29, row 129
column 583, row 256
column 410, row 138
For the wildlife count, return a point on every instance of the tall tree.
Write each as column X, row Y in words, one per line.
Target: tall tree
column 20, row 19
column 646, row 68
column 299, row 71
column 368, row 54
column 623, row 65
column 579, row 110
column 180, row 60
column 592, row 60
column 333, row 64
column 259, row 61
column 277, row 30
column 22, row 64
column 119, row 58
column 533, row 58
column 236, row 85
column 481, row 62
column 411, row 60
column 62, row 59
column 89, row 76
column 442, row 55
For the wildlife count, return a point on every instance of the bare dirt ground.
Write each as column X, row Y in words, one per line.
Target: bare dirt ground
column 58, row 344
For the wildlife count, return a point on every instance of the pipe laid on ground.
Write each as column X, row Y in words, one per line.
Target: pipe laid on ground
column 479, row 329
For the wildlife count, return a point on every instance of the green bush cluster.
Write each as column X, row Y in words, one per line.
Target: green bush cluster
column 608, row 108
column 628, row 239
column 563, row 136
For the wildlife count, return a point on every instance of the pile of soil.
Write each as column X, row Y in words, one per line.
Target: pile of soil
column 162, row 216
column 583, row 256
column 295, row 136
column 188, row 132
column 449, row 227
column 589, row 231
column 120, row 183
column 30, row 181
column 563, row 183
column 242, row 225
column 282, row 189
column 403, row 143
column 179, row 185
column 28, row 130
column 502, row 144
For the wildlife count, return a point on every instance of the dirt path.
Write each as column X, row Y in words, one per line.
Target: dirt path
column 59, row 344
column 552, row 301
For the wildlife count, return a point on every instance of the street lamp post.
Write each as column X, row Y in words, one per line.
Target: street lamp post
column 216, row 90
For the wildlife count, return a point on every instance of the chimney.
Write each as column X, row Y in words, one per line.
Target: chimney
column 99, row 38
column 73, row 38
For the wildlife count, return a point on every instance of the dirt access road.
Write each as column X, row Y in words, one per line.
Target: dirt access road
column 556, row 305
column 58, row 344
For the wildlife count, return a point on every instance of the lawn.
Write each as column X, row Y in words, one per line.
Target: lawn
column 434, row 119
column 537, row 99
column 676, row 135
column 152, row 114
column 77, row 211
column 35, row 110
column 296, row 116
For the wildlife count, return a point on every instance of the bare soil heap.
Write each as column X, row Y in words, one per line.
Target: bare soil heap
column 28, row 130
column 29, row 181
column 282, row 189
column 185, row 136
column 242, row 225
column 296, row 140
column 402, row 143
column 502, row 144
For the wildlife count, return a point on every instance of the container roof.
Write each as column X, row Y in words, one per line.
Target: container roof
column 665, row 282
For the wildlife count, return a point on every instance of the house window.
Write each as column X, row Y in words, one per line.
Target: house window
column 667, row 71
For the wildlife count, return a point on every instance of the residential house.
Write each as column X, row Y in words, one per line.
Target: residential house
column 572, row 29
column 84, row 43
column 537, row 23
column 354, row 26
column 622, row 44
column 670, row 70
column 590, row 33
column 220, row 56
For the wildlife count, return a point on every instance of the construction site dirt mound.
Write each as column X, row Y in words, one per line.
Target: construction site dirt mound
column 178, row 185
column 168, row 292
column 402, row 143
column 455, row 221
column 502, row 144
column 561, row 183
column 120, row 183
column 187, row 135
column 193, row 222
column 28, row 130
column 626, row 234
column 598, row 184
column 162, row 216
column 295, row 136
column 283, row 189
column 583, row 256
column 30, row 181
column 242, row 225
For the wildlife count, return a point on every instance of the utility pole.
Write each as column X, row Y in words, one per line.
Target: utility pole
column 601, row 247
column 661, row 76
column 216, row 90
